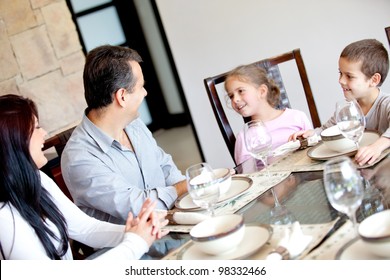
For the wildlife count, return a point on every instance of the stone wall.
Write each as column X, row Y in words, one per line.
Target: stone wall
column 41, row 58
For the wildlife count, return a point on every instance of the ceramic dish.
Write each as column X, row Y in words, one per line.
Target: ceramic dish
column 321, row 152
column 239, row 185
column 254, row 238
column 356, row 250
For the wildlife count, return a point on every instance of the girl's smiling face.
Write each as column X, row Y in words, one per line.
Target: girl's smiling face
column 36, row 144
column 244, row 97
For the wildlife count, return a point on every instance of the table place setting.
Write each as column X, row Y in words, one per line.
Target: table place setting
column 260, row 240
column 237, row 186
column 333, row 148
column 299, row 161
column 246, row 187
column 342, row 139
column 371, row 241
column 254, row 238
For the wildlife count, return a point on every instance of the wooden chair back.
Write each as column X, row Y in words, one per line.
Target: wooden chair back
column 271, row 65
column 53, row 167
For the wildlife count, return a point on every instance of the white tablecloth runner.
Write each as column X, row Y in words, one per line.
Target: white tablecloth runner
column 329, row 249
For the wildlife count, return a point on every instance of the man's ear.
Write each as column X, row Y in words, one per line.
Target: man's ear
column 120, row 96
column 376, row 79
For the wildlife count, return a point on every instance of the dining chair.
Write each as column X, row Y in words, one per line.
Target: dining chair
column 53, row 169
column 216, row 92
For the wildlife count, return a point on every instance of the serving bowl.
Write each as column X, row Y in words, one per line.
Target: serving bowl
column 335, row 141
column 375, row 233
column 225, row 179
column 218, row 235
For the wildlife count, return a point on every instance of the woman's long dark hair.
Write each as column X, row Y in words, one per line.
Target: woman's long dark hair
column 20, row 183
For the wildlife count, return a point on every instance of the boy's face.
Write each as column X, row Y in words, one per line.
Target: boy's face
column 352, row 80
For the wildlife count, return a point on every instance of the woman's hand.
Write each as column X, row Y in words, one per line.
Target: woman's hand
column 148, row 224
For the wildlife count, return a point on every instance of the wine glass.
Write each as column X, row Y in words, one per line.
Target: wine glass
column 258, row 142
column 373, row 200
column 350, row 120
column 203, row 186
column 281, row 215
column 343, row 186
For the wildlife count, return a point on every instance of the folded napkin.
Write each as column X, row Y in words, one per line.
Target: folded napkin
column 293, row 243
column 297, row 144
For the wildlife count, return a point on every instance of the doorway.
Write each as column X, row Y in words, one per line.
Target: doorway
column 123, row 23
column 117, row 22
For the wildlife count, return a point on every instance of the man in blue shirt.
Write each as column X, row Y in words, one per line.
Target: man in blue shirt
column 112, row 163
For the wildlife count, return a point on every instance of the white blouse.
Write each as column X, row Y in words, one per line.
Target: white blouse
column 19, row 241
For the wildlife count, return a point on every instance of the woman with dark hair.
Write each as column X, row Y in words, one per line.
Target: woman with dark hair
column 36, row 218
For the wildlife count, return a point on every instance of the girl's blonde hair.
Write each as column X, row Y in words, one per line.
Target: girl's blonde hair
column 256, row 76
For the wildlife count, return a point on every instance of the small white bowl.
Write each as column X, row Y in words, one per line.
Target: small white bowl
column 218, row 235
column 375, row 233
column 335, row 141
column 225, row 179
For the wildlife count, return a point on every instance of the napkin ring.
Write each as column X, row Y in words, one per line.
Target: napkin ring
column 304, row 143
column 282, row 251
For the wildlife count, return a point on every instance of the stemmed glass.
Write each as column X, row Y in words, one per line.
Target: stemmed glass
column 350, row 120
column 203, row 186
column 343, row 186
column 281, row 215
column 258, row 142
column 373, row 200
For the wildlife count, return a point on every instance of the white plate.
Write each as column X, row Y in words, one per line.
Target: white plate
column 239, row 185
column 321, row 152
column 355, row 250
column 254, row 238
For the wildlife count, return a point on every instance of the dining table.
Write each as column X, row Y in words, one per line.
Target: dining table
column 296, row 179
column 289, row 190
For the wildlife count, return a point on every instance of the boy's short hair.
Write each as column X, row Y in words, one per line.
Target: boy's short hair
column 372, row 54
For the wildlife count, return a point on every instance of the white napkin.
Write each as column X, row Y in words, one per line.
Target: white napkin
column 294, row 241
column 285, row 148
column 295, row 145
column 188, row 218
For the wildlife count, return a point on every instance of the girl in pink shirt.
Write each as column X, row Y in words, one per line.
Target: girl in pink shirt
column 252, row 94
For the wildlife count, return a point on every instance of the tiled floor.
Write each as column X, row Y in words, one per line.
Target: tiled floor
column 180, row 143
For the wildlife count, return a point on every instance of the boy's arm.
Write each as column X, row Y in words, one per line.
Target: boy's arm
column 369, row 154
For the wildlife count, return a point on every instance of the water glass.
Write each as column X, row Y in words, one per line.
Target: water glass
column 343, row 186
column 203, row 186
column 350, row 120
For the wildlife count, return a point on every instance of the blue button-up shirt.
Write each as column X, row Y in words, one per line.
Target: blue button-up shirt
column 107, row 180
